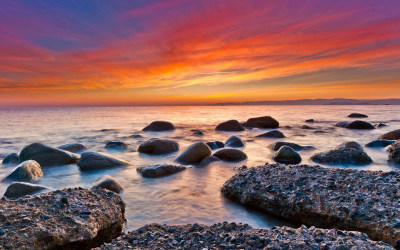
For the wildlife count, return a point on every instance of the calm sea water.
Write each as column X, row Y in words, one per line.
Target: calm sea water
column 192, row 195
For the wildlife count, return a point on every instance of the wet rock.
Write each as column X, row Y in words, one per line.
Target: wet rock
column 394, row 153
column 18, row 189
column 215, row 144
column 11, row 159
column 73, row 147
column 277, row 145
column 63, row 219
column 320, row 132
column 231, row 125
column 159, row 170
column 341, row 124
column 116, row 145
column 109, row 183
column 47, row 156
column 379, row 125
column 234, row 142
column 195, row 153
column 346, row 153
column 26, row 171
column 158, row 147
column 310, row 120
column 392, row 135
column 159, row 126
column 272, row 134
column 230, row 155
column 287, row 155
column 307, row 127
column 340, row 198
column 238, row 236
column 359, row 125
column 136, row 136
column 197, row 132
column 208, row 160
column 379, row 143
column 262, row 122
column 94, row 161
column 357, row 115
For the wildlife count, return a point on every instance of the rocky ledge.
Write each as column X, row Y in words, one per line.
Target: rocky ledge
column 349, row 199
column 239, row 236
column 64, row 219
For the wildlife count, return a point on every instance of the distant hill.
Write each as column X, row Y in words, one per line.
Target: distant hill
column 335, row 101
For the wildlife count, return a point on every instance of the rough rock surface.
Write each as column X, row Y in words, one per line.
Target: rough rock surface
column 238, row 236
column 345, row 153
column 357, row 115
column 11, row 159
column 359, row 125
column 349, row 199
column 234, row 142
column 394, row 153
column 231, row 125
column 392, row 135
column 159, row 170
column 158, row 147
column 47, row 156
column 63, row 219
column 18, row 189
column 109, row 183
column 215, row 144
column 262, row 122
column 195, row 153
column 93, row 161
column 208, row 160
column 73, row 147
column 381, row 143
column 116, row 145
column 159, row 126
column 230, row 154
column 277, row 145
column 287, row 155
column 272, row 134
column 26, row 171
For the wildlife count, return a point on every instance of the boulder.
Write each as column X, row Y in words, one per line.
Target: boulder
column 272, row 134
column 381, row 143
column 215, row 144
column 109, row 183
column 357, row 115
column 359, row 125
column 159, row 170
column 231, row 125
column 158, row 147
column 379, row 125
column 26, row 171
column 262, row 122
column 394, row 153
column 47, row 156
column 94, row 161
column 310, row 120
column 73, row 147
column 346, row 153
column 159, row 126
column 287, row 155
column 230, row 155
column 341, row 124
column 195, row 153
column 234, row 142
column 197, row 132
column 307, row 127
column 62, row 219
column 116, row 145
column 208, row 160
column 18, row 189
column 392, row 135
column 277, row 145
column 11, row 159
column 136, row 136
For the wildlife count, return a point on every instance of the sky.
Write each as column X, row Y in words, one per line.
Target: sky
column 172, row 52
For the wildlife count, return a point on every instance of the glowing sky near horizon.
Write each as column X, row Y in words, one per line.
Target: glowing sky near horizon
column 191, row 52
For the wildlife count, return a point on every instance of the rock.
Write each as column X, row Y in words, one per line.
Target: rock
column 18, row 189
column 287, row 155
column 238, row 236
column 234, row 142
column 26, row 171
column 73, row 147
column 208, row 160
column 159, row 170
column 231, row 125
column 262, row 122
column 357, row 115
column 62, row 219
column 47, row 156
column 392, row 135
column 346, row 153
column 310, row 120
column 277, row 145
column 359, row 125
column 159, row 126
column 116, row 145
column 345, row 199
column 341, row 124
column 136, row 136
column 158, row 147
column 379, row 125
column 307, row 127
column 381, row 143
column 109, row 183
column 320, row 132
column 11, row 159
column 215, row 144
column 195, row 153
column 94, row 161
column 272, row 134
column 197, row 132
column 230, row 155
column 394, row 153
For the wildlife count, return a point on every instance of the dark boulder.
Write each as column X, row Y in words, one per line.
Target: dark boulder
column 357, row 115
column 18, row 189
column 197, row 132
column 73, row 147
column 109, row 183
column 11, row 159
column 116, row 145
column 277, row 145
column 195, row 153
column 380, row 125
column 346, row 153
column 234, row 142
column 26, row 171
column 159, row 170
column 230, row 155
column 94, row 161
column 359, row 125
column 208, row 160
column 47, row 156
column 381, row 143
column 341, row 124
column 158, row 147
column 231, row 125
column 159, row 126
column 287, row 155
column 262, row 122
column 392, row 135
column 307, row 127
column 215, row 144
column 310, row 120
column 272, row 134
column 394, row 153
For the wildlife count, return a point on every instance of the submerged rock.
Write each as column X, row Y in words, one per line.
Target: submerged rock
column 392, row 135
column 307, row 127
column 234, row 142
column 394, row 153
column 158, row 147
column 18, row 189
column 195, row 153
column 379, row 143
column 94, row 161
column 357, row 115
column 109, row 183
column 287, row 155
column 341, row 124
column 379, row 125
column 359, row 125
column 73, row 147
column 339, row 198
column 272, row 134
column 310, row 120
column 11, row 159
column 197, row 132
column 63, row 219
column 230, row 155
column 159, row 126
column 262, row 122
column 26, row 171
column 215, row 144
column 116, row 145
column 231, row 125
column 159, row 170
column 277, row 145
column 47, row 156
column 345, row 153
column 208, row 160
